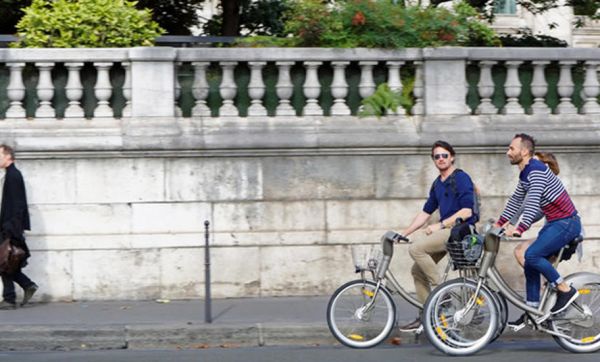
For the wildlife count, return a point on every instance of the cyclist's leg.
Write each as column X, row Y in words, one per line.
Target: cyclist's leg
column 519, row 251
column 553, row 236
column 423, row 284
column 426, row 251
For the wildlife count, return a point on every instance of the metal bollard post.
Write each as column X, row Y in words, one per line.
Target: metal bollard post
column 207, row 299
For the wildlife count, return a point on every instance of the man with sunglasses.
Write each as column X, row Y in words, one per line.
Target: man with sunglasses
column 452, row 192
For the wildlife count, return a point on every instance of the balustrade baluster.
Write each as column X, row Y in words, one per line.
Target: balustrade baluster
column 339, row 89
column 45, row 91
column 74, row 91
column 312, row 90
column 565, row 88
column 127, row 90
column 256, row 89
column 284, row 89
column 103, row 90
column 539, row 88
column 394, row 81
column 200, row 90
column 366, row 86
column 485, row 88
column 418, row 91
column 591, row 87
column 228, row 90
column 512, row 88
column 178, row 111
column 16, row 91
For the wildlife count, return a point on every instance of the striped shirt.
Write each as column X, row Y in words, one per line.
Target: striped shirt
column 545, row 192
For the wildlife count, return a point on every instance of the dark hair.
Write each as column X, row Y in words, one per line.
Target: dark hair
column 549, row 159
column 9, row 151
column 527, row 141
column 443, row 144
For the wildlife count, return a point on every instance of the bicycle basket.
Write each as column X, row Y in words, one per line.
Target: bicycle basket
column 366, row 257
column 466, row 253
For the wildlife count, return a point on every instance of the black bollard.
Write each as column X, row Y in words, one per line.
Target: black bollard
column 207, row 300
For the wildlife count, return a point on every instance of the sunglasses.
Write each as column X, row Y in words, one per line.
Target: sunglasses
column 440, row 155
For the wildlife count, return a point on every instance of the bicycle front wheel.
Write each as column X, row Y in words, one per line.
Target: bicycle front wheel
column 451, row 326
column 359, row 318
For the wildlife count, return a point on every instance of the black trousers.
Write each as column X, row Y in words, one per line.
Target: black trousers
column 24, row 282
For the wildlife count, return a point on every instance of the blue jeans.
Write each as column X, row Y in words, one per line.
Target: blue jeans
column 553, row 236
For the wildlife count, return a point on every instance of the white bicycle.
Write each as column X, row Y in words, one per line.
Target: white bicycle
column 461, row 316
column 362, row 313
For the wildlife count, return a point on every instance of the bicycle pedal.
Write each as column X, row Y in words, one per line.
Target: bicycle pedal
column 419, row 330
column 517, row 328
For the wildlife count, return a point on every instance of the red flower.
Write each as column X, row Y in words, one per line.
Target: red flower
column 359, row 19
column 442, row 35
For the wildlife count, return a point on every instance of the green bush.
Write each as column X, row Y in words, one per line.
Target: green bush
column 384, row 100
column 85, row 23
column 383, row 24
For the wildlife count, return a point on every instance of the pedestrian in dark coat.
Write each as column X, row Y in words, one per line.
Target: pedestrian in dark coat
column 14, row 220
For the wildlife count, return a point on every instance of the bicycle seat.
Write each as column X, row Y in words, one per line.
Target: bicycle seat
column 569, row 249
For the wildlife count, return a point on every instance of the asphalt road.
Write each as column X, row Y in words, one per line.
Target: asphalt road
column 544, row 350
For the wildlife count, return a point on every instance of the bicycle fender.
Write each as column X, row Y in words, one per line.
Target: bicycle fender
column 579, row 279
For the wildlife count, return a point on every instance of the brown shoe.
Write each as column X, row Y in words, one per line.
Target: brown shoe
column 412, row 326
column 4, row 305
column 29, row 292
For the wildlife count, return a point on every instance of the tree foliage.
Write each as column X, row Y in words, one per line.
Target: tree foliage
column 10, row 14
column 175, row 16
column 260, row 17
column 85, row 23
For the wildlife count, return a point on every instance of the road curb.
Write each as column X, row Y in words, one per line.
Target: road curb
column 186, row 336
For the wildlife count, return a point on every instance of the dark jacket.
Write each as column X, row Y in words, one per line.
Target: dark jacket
column 14, row 214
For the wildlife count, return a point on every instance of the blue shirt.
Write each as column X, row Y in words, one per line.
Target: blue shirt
column 451, row 199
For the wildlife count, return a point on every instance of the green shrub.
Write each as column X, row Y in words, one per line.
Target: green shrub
column 85, row 23
column 384, row 100
column 383, row 24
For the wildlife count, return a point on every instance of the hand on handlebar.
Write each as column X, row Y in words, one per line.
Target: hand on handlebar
column 399, row 238
column 512, row 231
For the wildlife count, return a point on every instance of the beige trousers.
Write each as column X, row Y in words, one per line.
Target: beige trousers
column 427, row 251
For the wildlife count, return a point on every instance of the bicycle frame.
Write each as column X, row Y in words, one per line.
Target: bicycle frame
column 488, row 270
column 383, row 274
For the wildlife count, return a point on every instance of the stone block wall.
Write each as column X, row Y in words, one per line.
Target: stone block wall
column 127, row 221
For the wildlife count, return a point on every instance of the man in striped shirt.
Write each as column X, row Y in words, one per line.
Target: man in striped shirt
column 539, row 190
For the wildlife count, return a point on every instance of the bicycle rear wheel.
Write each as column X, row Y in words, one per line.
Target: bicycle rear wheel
column 452, row 328
column 357, row 317
column 581, row 328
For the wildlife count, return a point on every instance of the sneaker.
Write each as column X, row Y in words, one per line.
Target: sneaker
column 413, row 326
column 28, row 293
column 519, row 323
column 564, row 299
column 4, row 305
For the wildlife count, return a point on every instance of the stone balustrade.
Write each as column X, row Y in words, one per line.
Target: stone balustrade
column 153, row 82
column 42, row 65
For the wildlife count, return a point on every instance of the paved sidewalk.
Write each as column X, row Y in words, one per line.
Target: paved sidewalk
column 178, row 324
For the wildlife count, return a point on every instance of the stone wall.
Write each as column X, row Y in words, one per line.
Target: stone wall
column 118, row 207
